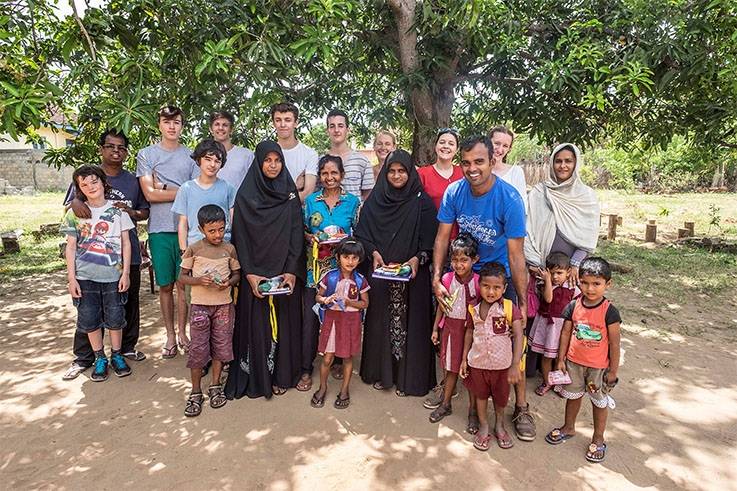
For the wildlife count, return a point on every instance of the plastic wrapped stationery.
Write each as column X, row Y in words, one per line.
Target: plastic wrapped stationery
column 271, row 286
column 393, row 272
column 557, row 377
column 332, row 234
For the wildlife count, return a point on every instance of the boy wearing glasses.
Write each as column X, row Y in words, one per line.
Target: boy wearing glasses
column 125, row 193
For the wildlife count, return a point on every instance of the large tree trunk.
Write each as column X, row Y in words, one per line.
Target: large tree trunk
column 430, row 104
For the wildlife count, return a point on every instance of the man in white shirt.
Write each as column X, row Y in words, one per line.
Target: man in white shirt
column 239, row 159
column 301, row 160
column 359, row 176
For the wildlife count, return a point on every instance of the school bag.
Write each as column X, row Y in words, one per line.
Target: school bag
column 332, row 277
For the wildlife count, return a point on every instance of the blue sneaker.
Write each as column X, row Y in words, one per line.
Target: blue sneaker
column 120, row 367
column 100, row 371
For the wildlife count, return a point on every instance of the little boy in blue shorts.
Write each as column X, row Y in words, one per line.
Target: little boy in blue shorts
column 98, row 256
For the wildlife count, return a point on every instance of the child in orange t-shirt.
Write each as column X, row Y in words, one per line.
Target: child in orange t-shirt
column 590, row 341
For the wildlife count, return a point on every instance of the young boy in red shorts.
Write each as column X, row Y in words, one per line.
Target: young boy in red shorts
column 211, row 266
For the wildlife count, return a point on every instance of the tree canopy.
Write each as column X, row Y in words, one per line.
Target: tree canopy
column 632, row 70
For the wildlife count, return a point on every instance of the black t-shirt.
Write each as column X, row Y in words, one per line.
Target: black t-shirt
column 611, row 317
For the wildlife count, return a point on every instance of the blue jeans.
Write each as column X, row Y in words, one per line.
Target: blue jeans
column 100, row 306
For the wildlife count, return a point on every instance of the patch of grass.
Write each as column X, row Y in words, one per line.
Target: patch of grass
column 674, row 272
column 28, row 213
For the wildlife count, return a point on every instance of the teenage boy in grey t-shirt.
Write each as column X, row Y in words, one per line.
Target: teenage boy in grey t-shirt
column 239, row 158
column 162, row 168
column 359, row 175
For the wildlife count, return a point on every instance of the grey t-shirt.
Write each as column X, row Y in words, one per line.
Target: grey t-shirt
column 359, row 175
column 236, row 166
column 173, row 168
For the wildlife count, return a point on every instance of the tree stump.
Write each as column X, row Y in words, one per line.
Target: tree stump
column 683, row 232
column 612, row 227
column 651, row 232
column 10, row 243
column 690, row 227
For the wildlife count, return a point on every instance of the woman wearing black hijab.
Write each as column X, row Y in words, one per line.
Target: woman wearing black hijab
column 397, row 224
column 268, row 236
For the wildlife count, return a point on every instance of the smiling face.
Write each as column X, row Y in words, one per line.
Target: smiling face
column 337, row 130
column 210, row 165
column 330, row 176
column 272, row 165
column 446, row 146
column 285, row 124
column 564, row 163
column 476, row 165
column 114, row 151
column 171, row 128
column 397, row 175
column 502, row 143
column 221, row 130
column 383, row 146
column 462, row 263
column 92, row 188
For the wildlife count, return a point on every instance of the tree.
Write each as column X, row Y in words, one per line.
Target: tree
column 558, row 70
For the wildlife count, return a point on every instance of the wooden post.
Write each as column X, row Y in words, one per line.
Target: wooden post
column 690, row 227
column 612, row 228
column 651, row 231
column 651, row 222
column 683, row 232
column 10, row 243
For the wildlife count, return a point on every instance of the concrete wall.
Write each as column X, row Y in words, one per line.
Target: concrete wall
column 23, row 168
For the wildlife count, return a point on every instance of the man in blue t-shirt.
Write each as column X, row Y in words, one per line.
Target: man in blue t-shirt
column 493, row 212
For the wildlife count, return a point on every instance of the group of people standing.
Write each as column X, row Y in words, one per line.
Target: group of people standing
column 227, row 220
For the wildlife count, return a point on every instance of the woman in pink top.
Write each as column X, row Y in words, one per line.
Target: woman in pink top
column 437, row 177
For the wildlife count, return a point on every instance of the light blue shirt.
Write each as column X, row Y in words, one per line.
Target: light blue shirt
column 191, row 197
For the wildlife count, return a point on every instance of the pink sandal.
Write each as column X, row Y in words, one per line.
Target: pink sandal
column 543, row 389
column 482, row 442
column 504, row 440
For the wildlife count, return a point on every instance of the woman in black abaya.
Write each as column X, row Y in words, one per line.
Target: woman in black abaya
column 397, row 225
column 268, row 236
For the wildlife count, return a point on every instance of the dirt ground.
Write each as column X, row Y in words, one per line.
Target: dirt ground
column 675, row 425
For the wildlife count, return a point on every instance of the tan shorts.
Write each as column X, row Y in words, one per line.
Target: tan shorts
column 585, row 380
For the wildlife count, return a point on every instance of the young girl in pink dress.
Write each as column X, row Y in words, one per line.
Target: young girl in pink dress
column 453, row 317
column 343, row 293
column 545, row 331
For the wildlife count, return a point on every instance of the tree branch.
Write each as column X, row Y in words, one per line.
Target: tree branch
column 84, row 31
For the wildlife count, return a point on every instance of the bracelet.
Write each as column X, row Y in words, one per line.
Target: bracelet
column 163, row 188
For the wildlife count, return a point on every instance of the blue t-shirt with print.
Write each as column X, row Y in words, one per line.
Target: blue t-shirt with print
column 191, row 197
column 491, row 218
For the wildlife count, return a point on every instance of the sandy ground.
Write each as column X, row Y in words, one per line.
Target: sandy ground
column 674, row 426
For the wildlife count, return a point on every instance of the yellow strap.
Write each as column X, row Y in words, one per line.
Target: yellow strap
column 508, row 311
column 315, row 264
column 272, row 318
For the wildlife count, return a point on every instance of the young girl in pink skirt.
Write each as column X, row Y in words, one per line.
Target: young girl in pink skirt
column 453, row 317
column 545, row 331
column 343, row 293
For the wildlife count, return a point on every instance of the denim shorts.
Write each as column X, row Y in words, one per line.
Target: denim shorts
column 100, row 306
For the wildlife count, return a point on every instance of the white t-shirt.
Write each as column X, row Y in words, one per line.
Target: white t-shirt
column 516, row 177
column 300, row 160
column 237, row 163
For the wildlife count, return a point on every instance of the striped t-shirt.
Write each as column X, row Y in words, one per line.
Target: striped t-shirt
column 358, row 173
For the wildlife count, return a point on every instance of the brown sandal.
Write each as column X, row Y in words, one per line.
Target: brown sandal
column 169, row 352
column 194, row 405
column 217, row 397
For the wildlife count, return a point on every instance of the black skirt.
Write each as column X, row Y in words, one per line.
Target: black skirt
column 260, row 363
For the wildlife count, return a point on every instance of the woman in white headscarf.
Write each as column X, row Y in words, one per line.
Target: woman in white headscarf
column 562, row 212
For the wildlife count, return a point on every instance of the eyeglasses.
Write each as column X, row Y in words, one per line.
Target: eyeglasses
column 119, row 148
column 448, row 130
